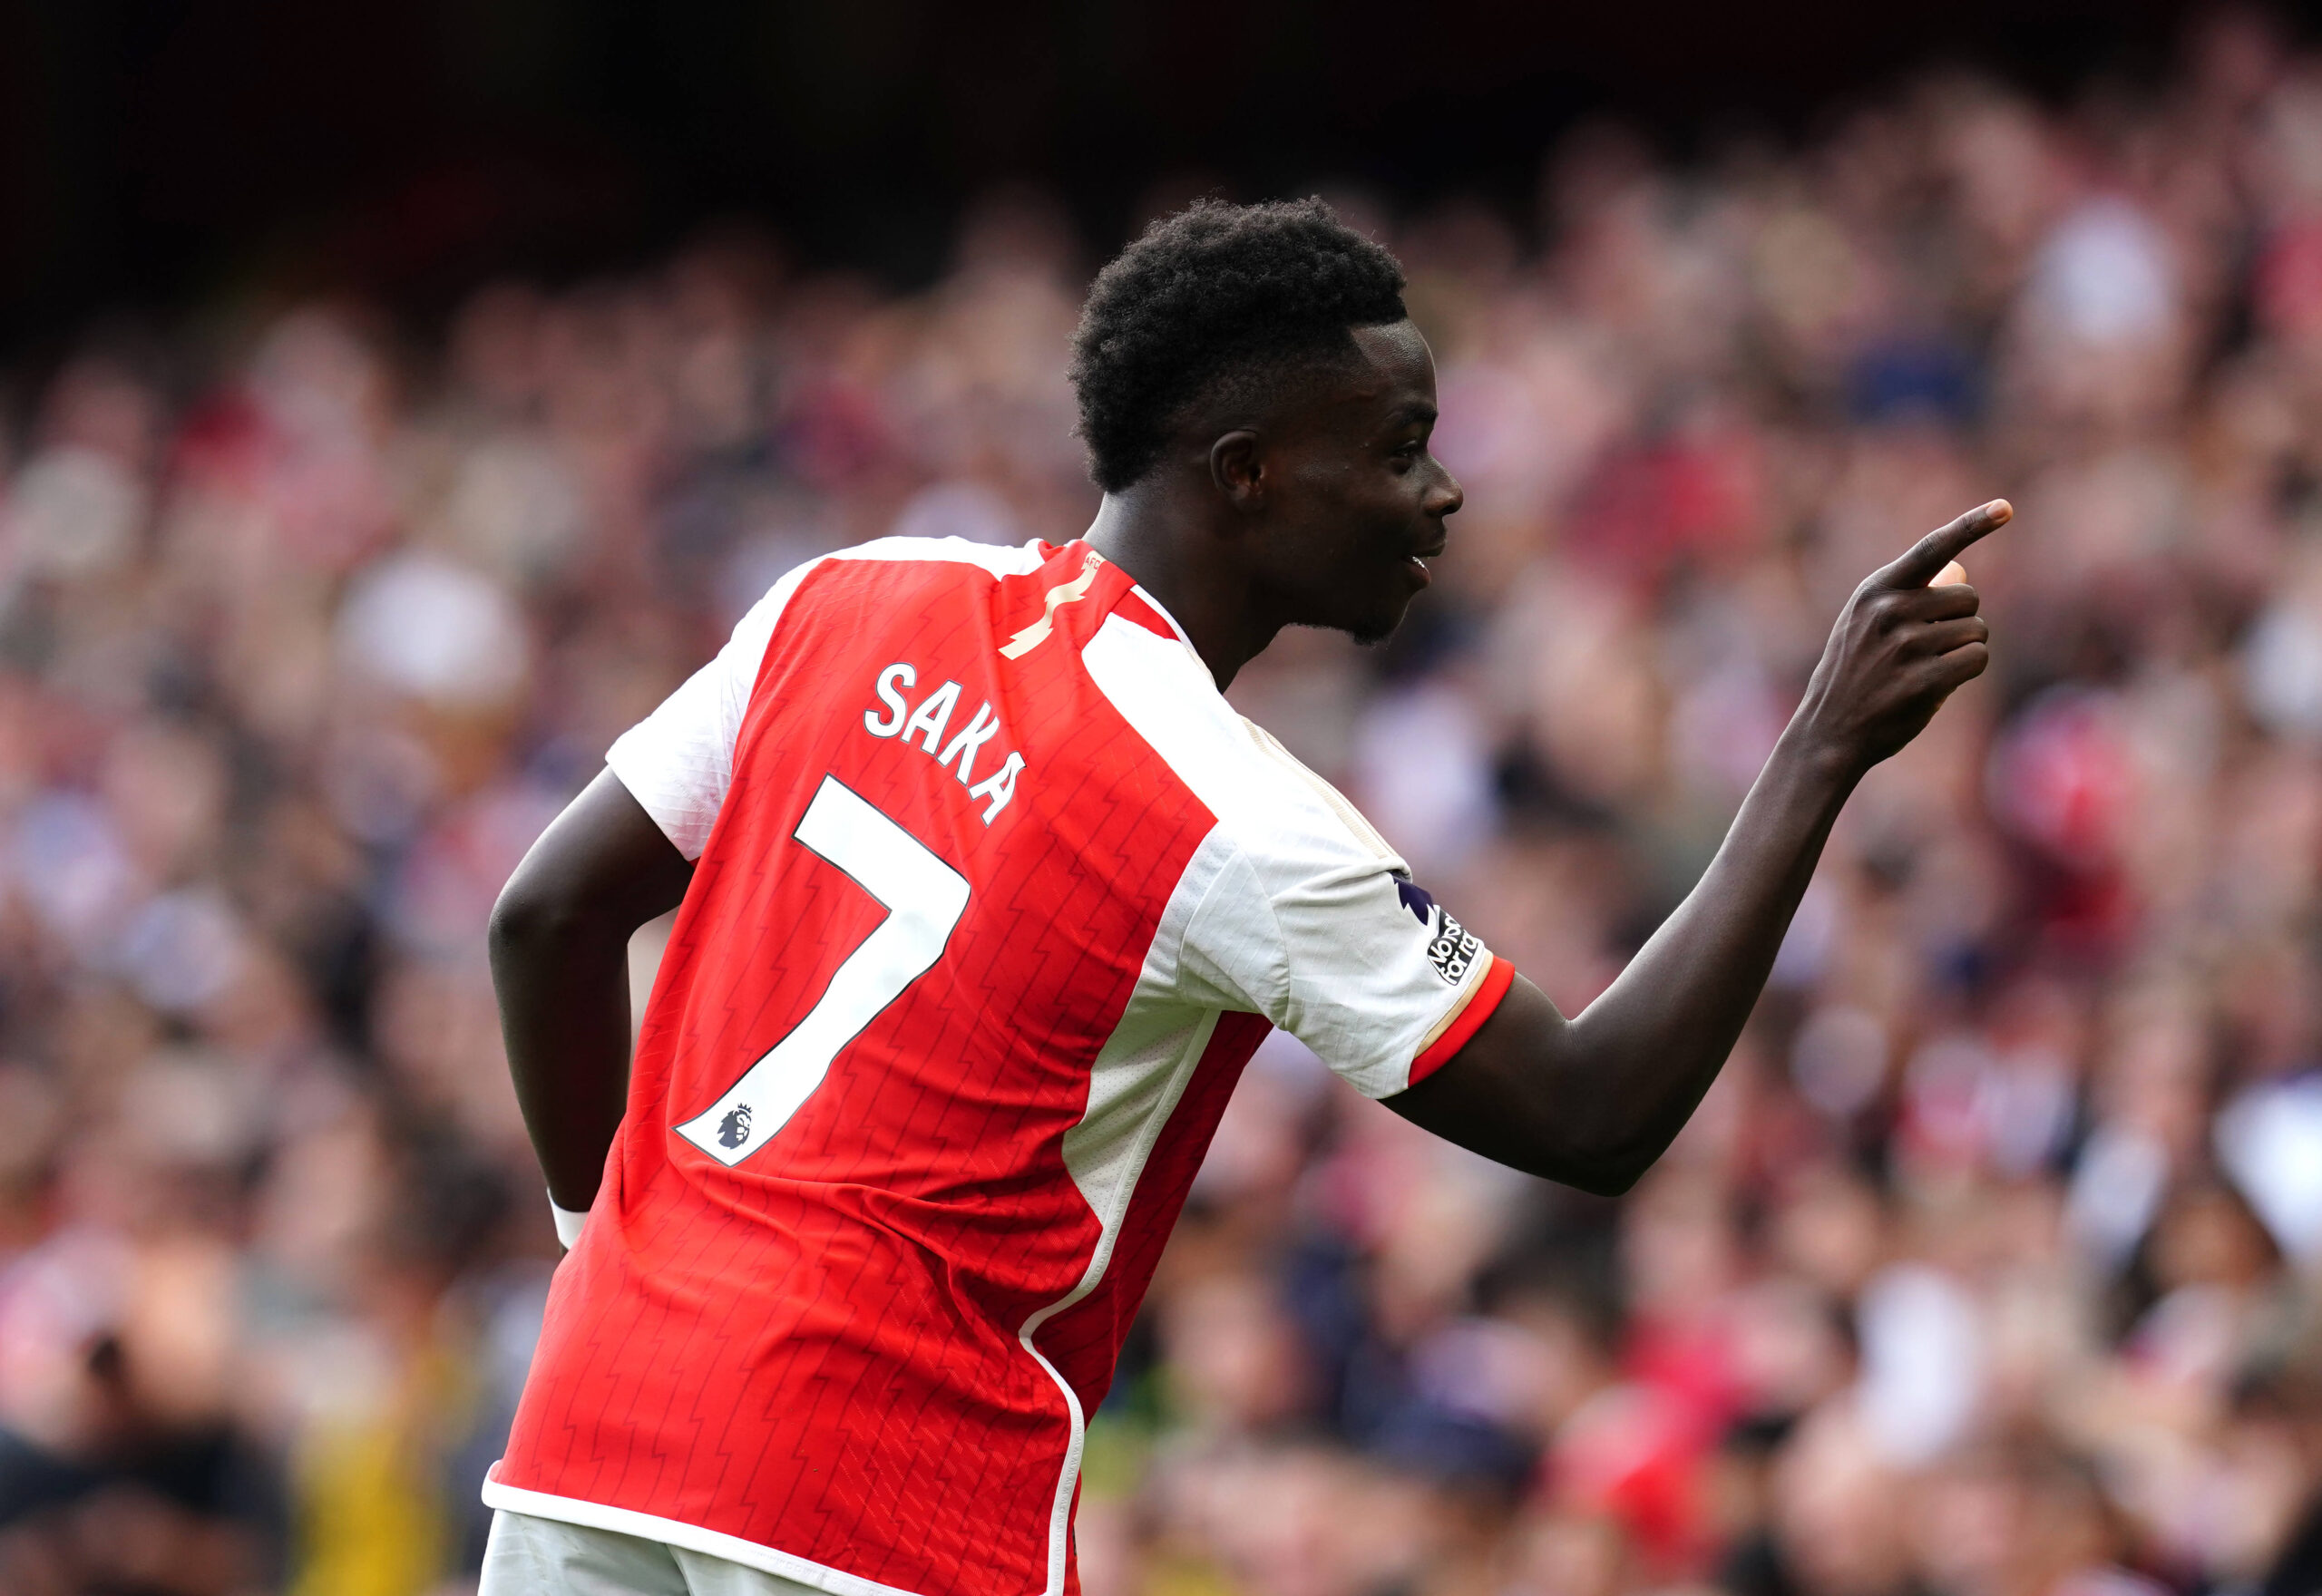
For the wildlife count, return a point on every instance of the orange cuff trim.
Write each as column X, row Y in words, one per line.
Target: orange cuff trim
column 1480, row 1004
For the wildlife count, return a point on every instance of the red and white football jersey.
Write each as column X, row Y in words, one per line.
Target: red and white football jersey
column 995, row 897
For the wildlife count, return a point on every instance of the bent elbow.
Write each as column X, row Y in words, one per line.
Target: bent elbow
column 522, row 915
column 513, row 917
column 1610, row 1181
column 1603, row 1159
column 1604, row 1174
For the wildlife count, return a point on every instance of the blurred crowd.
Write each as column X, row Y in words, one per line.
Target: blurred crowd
column 1991, row 1267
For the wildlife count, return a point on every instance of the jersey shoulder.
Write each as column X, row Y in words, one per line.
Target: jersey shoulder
column 1269, row 803
column 794, row 593
column 826, row 594
column 1001, row 559
column 921, row 558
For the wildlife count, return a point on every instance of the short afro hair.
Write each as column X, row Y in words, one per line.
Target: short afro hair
column 1212, row 298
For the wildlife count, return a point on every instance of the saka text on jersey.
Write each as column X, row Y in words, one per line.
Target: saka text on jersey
column 926, row 724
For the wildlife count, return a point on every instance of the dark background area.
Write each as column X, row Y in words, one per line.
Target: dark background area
column 155, row 152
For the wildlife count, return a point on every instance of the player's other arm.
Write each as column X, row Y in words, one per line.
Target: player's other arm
column 559, row 964
column 1592, row 1101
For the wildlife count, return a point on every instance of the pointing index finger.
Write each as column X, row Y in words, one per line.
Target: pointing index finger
column 1928, row 556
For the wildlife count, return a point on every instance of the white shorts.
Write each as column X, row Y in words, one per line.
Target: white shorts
column 529, row 1556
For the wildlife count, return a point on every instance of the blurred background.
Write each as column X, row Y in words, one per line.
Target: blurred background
column 395, row 403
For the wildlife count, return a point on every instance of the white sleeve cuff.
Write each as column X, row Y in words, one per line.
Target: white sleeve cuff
column 568, row 1224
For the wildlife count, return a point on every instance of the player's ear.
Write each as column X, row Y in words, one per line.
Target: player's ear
column 1235, row 467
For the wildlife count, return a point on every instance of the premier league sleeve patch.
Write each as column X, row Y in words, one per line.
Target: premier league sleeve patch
column 1451, row 948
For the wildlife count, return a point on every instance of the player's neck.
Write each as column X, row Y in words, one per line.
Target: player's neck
column 1175, row 556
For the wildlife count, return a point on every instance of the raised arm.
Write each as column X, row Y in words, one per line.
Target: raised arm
column 559, row 964
column 1593, row 1100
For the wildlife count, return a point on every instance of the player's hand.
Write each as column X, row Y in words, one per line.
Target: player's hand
column 1899, row 649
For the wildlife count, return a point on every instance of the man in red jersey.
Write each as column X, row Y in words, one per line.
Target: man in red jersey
column 985, row 895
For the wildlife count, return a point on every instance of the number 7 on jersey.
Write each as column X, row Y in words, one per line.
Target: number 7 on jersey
column 923, row 897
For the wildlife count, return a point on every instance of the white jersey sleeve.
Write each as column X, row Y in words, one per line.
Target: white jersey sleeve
column 1307, row 916
column 678, row 761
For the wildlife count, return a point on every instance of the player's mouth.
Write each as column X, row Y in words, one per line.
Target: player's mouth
column 1416, row 564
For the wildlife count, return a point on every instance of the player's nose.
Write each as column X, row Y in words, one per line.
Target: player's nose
column 1446, row 496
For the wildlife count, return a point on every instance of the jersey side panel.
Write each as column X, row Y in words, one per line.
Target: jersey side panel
column 1084, row 1342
